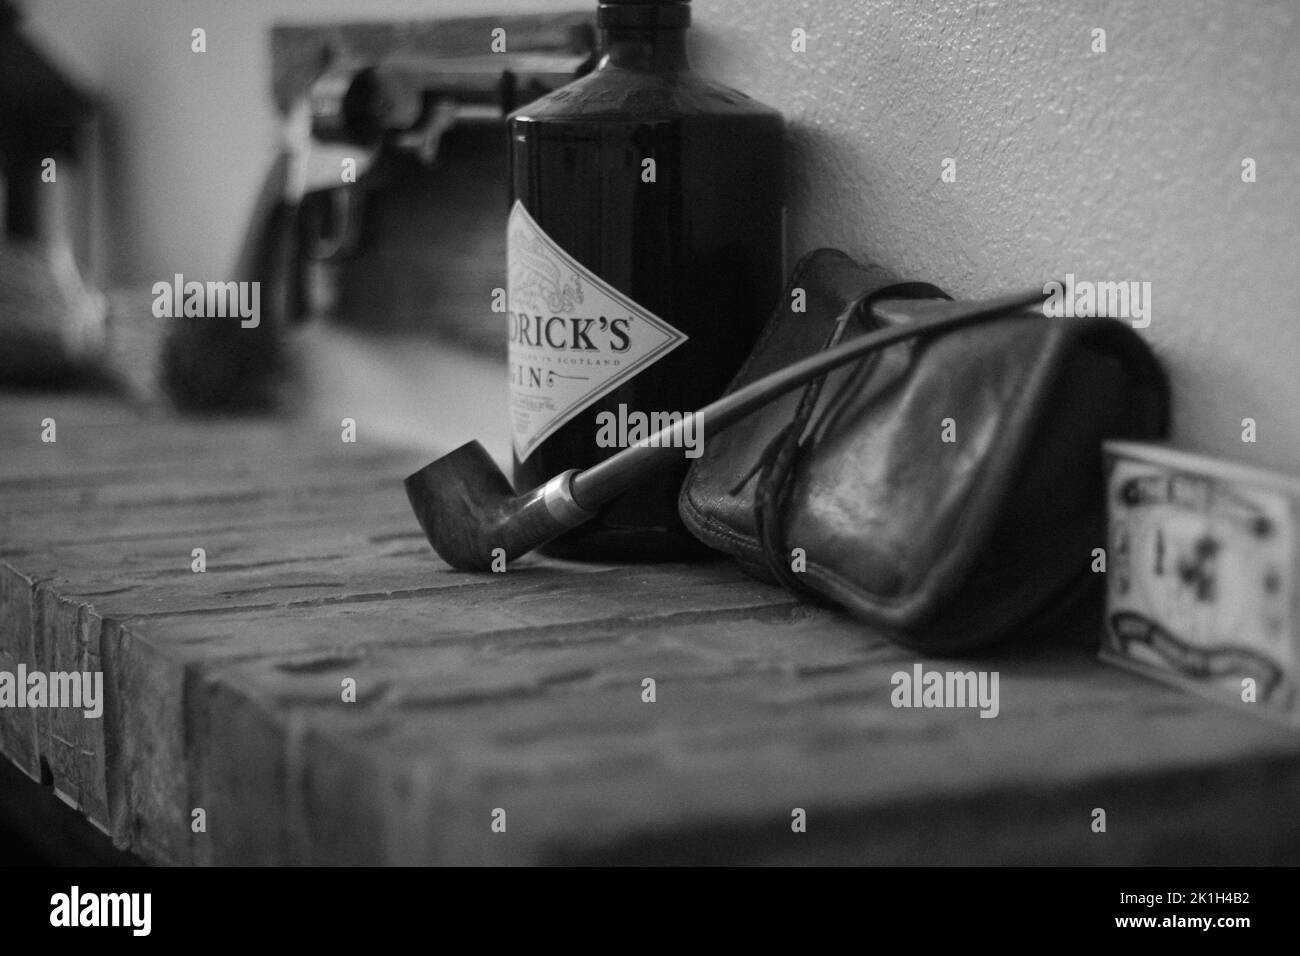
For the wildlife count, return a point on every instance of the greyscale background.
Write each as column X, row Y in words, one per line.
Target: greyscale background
column 1161, row 150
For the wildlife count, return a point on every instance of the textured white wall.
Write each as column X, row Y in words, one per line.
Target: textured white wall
column 1122, row 165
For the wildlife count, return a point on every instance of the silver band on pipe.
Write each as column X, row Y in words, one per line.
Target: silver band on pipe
column 558, row 495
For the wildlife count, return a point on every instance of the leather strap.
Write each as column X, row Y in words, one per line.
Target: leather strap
column 776, row 464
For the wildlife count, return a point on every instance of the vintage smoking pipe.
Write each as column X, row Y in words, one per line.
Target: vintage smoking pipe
column 468, row 509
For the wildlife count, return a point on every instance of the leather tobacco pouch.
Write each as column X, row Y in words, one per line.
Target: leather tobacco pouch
column 946, row 489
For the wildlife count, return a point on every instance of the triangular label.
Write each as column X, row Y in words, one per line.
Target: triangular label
column 573, row 336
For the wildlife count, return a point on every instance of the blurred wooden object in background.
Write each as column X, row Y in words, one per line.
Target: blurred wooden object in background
column 51, row 319
column 51, row 322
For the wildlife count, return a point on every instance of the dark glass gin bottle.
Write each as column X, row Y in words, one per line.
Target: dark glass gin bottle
column 645, row 246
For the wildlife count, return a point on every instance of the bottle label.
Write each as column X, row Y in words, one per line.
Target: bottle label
column 573, row 336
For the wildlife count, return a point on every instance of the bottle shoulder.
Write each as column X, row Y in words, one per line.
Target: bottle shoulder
column 615, row 92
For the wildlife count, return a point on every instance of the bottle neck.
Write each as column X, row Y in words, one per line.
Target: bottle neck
column 656, row 49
